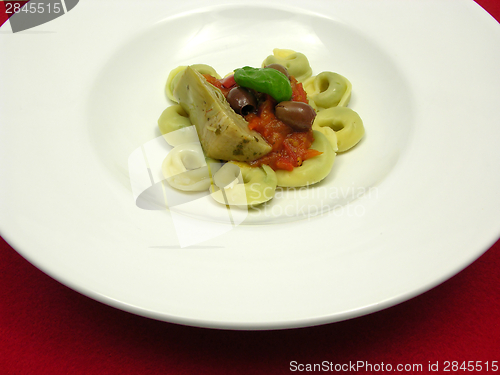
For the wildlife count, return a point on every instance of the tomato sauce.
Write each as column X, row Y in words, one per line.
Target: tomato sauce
column 289, row 147
column 298, row 92
column 217, row 83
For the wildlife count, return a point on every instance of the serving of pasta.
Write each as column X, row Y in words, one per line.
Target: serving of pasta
column 241, row 136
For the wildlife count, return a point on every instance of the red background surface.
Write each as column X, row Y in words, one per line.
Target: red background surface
column 5, row 13
column 46, row 328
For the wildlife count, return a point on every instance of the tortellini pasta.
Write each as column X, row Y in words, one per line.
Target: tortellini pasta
column 336, row 129
column 330, row 135
column 328, row 90
column 186, row 168
column 312, row 170
column 176, row 74
column 239, row 184
column 176, row 127
column 346, row 124
column 183, row 135
column 295, row 62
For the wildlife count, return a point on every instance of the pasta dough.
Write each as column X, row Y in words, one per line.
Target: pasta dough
column 181, row 136
column 295, row 62
column 246, row 185
column 346, row 124
column 185, row 168
column 176, row 127
column 328, row 90
column 330, row 134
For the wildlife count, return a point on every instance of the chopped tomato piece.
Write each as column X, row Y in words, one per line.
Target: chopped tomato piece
column 298, row 92
column 217, row 83
column 228, row 81
column 289, row 148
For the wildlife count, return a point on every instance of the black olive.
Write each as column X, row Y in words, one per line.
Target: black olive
column 279, row 68
column 299, row 116
column 241, row 100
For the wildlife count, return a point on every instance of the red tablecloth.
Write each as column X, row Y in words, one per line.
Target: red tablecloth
column 46, row 328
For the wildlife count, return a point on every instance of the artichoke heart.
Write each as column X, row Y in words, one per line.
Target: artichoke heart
column 223, row 134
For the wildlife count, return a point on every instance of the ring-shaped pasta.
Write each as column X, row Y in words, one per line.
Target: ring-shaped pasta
column 175, row 75
column 250, row 186
column 176, row 127
column 312, row 170
column 346, row 124
column 295, row 62
column 327, row 90
column 227, row 176
column 181, row 136
column 186, row 168
column 330, row 134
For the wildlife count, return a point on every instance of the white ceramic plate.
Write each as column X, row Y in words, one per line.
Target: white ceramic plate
column 413, row 204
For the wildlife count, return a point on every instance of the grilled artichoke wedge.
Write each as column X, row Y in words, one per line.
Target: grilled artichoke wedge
column 223, row 134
